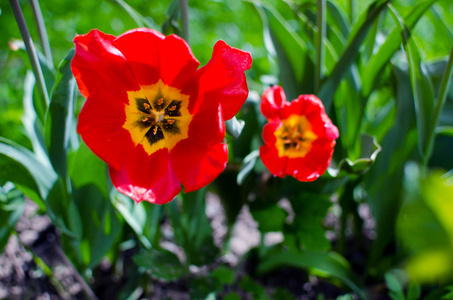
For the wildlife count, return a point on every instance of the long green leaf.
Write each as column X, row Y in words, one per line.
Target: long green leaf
column 357, row 36
column 20, row 166
column 32, row 124
column 420, row 82
column 295, row 64
column 135, row 15
column 384, row 180
column 330, row 264
column 60, row 116
column 441, row 98
column 390, row 46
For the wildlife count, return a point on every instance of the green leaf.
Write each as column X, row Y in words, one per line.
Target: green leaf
column 337, row 17
column 247, row 166
column 85, row 168
column 20, row 166
column 257, row 290
column 346, row 297
column 357, row 36
column 60, row 115
column 196, row 229
column 32, row 124
column 295, row 64
column 327, row 264
column 369, row 151
column 162, row 264
column 59, row 207
column 395, row 286
column 134, row 215
column 391, row 45
column 135, row 15
column 383, row 181
column 171, row 24
column 426, row 216
column 232, row 296
column 234, row 127
column 413, row 291
column 420, row 82
column 271, row 218
column 12, row 204
column 310, row 210
column 445, row 130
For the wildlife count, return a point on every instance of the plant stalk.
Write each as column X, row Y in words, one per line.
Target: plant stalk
column 184, row 9
column 30, row 49
column 41, row 30
column 320, row 50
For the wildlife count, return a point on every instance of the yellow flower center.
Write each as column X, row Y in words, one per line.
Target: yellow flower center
column 294, row 137
column 157, row 116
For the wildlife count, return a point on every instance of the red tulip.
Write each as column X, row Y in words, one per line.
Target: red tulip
column 152, row 115
column 299, row 137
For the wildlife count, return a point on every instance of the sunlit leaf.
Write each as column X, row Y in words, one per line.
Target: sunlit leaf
column 357, row 36
column 420, row 82
column 135, row 15
column 20, row 166
column 60, row 116
column 234, row 127
column 247, row 166
column 391, row 45
column 32, row 124
column 295, row 64
column 134, row 215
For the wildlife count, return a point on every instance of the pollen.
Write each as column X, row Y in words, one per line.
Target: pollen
column 160, row 101
column 146, row 106
column 145, row 119
column 170, row 121
column 172, row 108
column 155, row 130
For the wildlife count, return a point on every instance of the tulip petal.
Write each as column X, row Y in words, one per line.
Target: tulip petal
column 147, row 177
column 153, row 56
column 197, row 166
column 222, row 80
column 273, row 100
column 199, row 159
column 101, row 127
column 97, row 64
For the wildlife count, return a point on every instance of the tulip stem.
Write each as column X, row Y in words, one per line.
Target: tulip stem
column 30, row 49
column 321, row 24
column 41, row 30
column 184, row 9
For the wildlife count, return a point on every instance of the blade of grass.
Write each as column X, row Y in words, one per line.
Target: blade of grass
column 30, row 50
